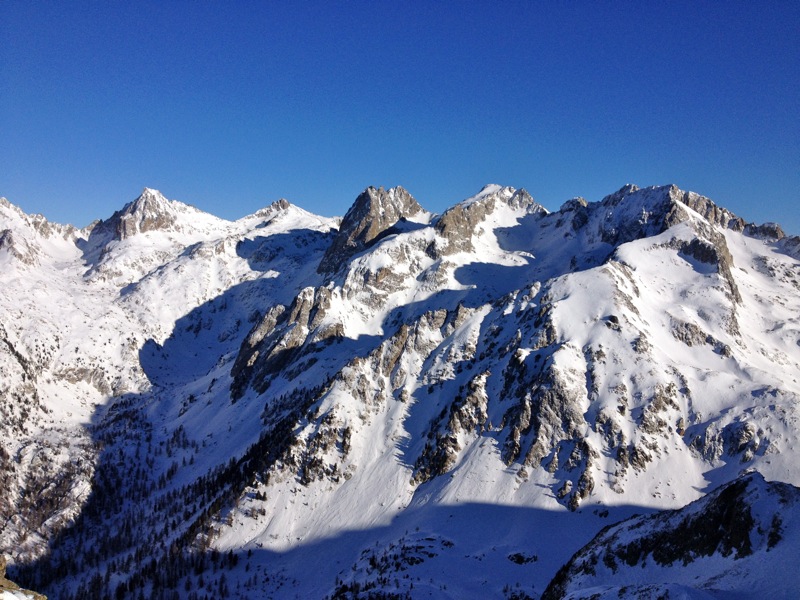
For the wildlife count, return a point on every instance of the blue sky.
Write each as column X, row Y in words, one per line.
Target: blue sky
column 231, row 105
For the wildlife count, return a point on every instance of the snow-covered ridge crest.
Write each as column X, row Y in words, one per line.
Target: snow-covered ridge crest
column 490, row 189
column 16, row 219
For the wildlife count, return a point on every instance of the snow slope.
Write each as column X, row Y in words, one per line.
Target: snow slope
column 424, row 405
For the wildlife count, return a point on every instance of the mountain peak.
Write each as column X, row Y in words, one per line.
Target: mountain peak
column 373, row 212
column 150, row 211
column 150, row 200
column 458, row 224
column 278, row 207
column 620, row 194
column 151, row 192
column 632, row 213
column 389, row 205
column 490, row 190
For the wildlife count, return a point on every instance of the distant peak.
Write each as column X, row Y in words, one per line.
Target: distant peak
column 4, row 203
column 396, row 199
column 574, row 204
column 492, row 192
column 375, row 209
column 150, row 211
column 280, row 205
column 458, row 224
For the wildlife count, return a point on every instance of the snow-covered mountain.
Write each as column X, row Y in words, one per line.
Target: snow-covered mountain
column 394, row 402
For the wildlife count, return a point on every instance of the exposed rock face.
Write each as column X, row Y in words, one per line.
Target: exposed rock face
column 460, row 223
column 547, row 428
column 663, row 207
column 766, row 231
column 20, row 249
column 466, row 416
column 276, row 342
column 372, row 214
column 714, row 214
column 148, row 212
column 691, row 335
column 742, row 438
column 792, row 246
column 714, row 251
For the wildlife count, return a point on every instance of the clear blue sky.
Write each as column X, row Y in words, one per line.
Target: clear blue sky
column 231, row 105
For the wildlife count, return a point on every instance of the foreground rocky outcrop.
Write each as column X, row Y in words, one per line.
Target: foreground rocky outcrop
column 10, row 590
column 732, row 541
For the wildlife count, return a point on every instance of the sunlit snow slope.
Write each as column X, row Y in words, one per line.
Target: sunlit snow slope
column 394, row 402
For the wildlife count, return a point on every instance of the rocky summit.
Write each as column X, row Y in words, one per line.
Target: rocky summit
column 402, row 404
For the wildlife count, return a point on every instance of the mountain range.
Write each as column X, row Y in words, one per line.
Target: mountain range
column 495, row 401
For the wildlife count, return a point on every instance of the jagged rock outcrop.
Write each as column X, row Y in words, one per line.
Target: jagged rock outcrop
column 466, row 416
column 792, row 246
column 632, row 213
column 692, row 335
column 459, row 224
column 765, row 231
column 22, row 235
column 714, row 251
column 276, row 341
column 716, row 215
column 741, row 438
column 371, row 216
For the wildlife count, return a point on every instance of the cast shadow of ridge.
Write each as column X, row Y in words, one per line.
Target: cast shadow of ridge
column 145, row 467
column 217, row 327
column 460, row 551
